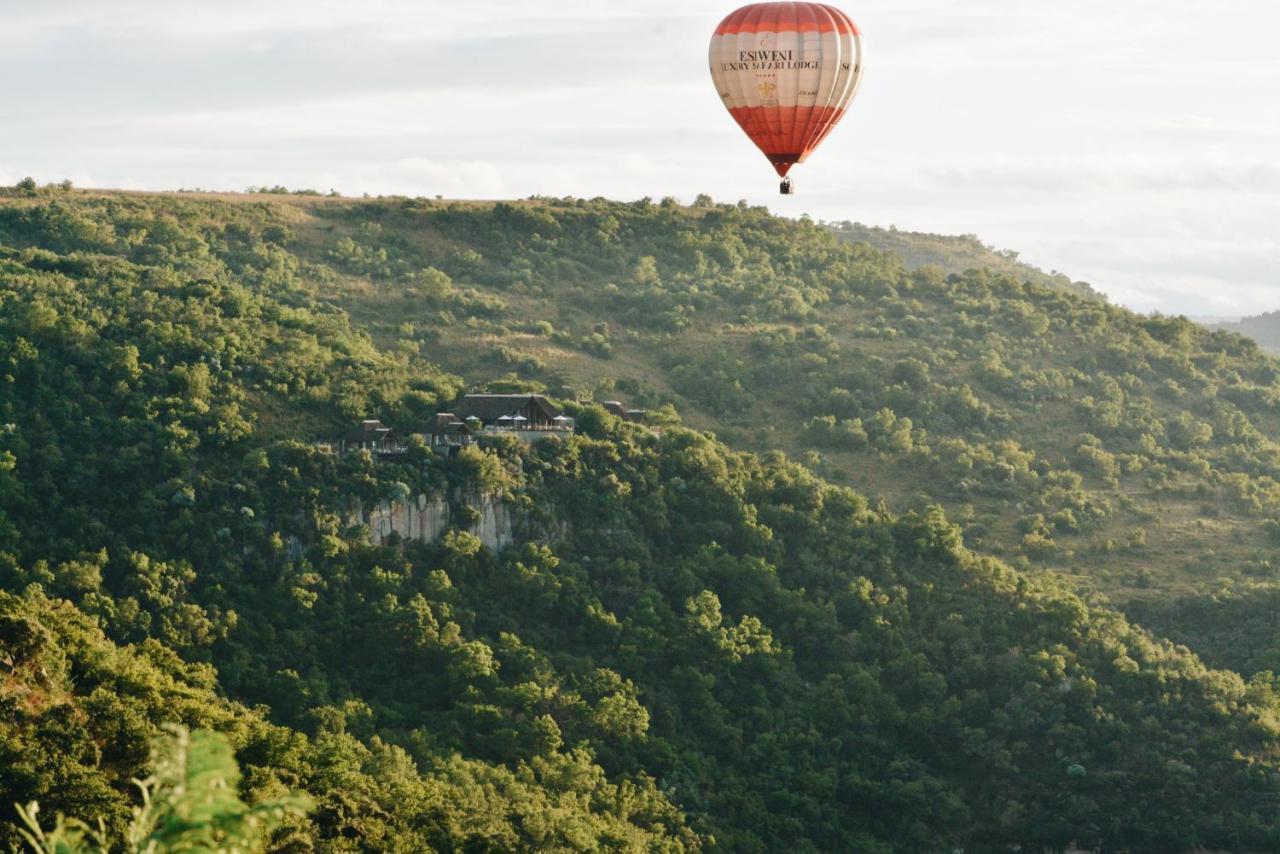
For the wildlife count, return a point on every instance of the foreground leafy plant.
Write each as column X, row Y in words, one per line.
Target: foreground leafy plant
column 189, row 803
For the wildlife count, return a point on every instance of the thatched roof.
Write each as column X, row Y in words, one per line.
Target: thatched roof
column 490, row 407
column 616, row 407
column 369, row 430
column 448, row 424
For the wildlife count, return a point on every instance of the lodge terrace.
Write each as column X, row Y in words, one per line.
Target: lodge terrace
column 528, row 417
column 524, row 413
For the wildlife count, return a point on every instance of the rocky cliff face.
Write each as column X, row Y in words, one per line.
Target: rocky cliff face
column 425, row 517
column 495, row 528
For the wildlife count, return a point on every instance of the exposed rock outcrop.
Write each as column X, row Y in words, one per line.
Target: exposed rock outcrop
column 425, row 517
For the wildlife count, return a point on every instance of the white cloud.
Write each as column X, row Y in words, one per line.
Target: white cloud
column 1093, row 174
column 390, row 20
column 423, row 176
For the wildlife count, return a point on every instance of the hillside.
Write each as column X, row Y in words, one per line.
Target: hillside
column 955, row 254
column 1135, row 454
column 690, row 645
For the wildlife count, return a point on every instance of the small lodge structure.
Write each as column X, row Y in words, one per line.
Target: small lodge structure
column 375, row 437
column 529, row 416
column 615, row 407
column 449, row 431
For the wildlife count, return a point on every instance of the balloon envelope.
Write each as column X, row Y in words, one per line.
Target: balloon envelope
column 787, row 72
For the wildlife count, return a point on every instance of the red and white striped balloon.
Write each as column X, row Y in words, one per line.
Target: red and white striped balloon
column 787, row 72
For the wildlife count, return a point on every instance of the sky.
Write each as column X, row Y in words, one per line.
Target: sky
column 1128, row 143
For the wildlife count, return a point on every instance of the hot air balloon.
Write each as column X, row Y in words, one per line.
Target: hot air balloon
column 787, row 72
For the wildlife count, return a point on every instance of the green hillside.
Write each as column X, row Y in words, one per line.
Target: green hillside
column 1136, row 454
column 695, row 643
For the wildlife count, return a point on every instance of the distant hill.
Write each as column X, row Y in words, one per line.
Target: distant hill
column 839, row 594
column 955, row 254
column 1262, row 328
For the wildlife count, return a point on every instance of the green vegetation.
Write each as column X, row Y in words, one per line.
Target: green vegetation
column 690, row 646
column 189, row 803
column 1136, row 454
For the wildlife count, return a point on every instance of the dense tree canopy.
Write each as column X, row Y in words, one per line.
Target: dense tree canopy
column 688, row 646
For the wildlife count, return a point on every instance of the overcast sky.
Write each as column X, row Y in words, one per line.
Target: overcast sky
column 1129, row 143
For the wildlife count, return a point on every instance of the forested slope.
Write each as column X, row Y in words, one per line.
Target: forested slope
column 690, row 646
column 1135, row 453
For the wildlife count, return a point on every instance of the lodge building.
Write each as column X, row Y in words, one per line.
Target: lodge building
column 449, row 431
column 373, row 436
column 528, row 417
column 615, row 407
column 519, row 413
